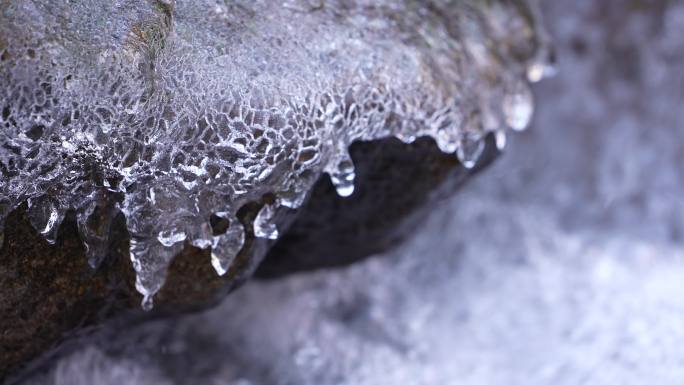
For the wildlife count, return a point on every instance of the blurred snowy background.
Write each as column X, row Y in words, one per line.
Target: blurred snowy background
column 562, row 264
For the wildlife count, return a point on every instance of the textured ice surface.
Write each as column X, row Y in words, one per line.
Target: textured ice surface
column 178, row 110
column 562, row 265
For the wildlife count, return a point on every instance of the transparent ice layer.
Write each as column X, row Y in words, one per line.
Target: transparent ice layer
column 177, row 111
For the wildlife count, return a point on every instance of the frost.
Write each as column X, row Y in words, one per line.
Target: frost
column 182, row 110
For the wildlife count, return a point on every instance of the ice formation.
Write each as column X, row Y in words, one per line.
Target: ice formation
column 173, row 111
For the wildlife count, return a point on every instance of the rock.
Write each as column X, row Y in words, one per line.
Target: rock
column 181, row 136
column 396, row 185
column 51, row 295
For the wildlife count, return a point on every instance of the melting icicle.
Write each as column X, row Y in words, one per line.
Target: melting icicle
column 470, row 150
column 264, row 225
column 94, row 224
column 343, row 175
column 150, row 260
column 226, row 247
column 45, row 216
column 518, row 107
column 446, row 141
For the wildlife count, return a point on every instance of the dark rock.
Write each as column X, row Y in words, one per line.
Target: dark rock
column 393, row 194
column 50, row 295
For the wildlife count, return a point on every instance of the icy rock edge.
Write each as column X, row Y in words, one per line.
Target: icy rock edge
column 174, row 112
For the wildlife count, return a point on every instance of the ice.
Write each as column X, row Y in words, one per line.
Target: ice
column 182, row 109
column 225, row 247
column 518, row 106
column 342, row 175
column 264, row 223
column 561, row 265
column 470, row 149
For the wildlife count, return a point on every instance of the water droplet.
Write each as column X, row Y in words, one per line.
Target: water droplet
column 147, row 303
column 500, row 139
column 446, row 141
column 343, row 175
column 407, row 138
column 264, row 226
column 469, row 150
column 226, row 247
column 539, row 70
column 518, row 107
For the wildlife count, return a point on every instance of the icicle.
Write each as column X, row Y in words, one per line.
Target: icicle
column 343, row 174
column 469, row 150
column 446, row 141
column 150, row 260
column 45, row 216
column 264, row 226
column 518, row 107
column 94, row 224
column 225, row 247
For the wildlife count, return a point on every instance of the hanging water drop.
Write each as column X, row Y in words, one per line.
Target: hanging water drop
column 407, row 138
column 540, row 69
column 469, row 150
column 343, row 175
column 264, row 226
column 226, row 247
column 147, row 303
column 446, row 141
column 518, row 107
column 500, row 139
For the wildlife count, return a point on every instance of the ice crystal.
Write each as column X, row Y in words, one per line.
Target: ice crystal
column 186, row 109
